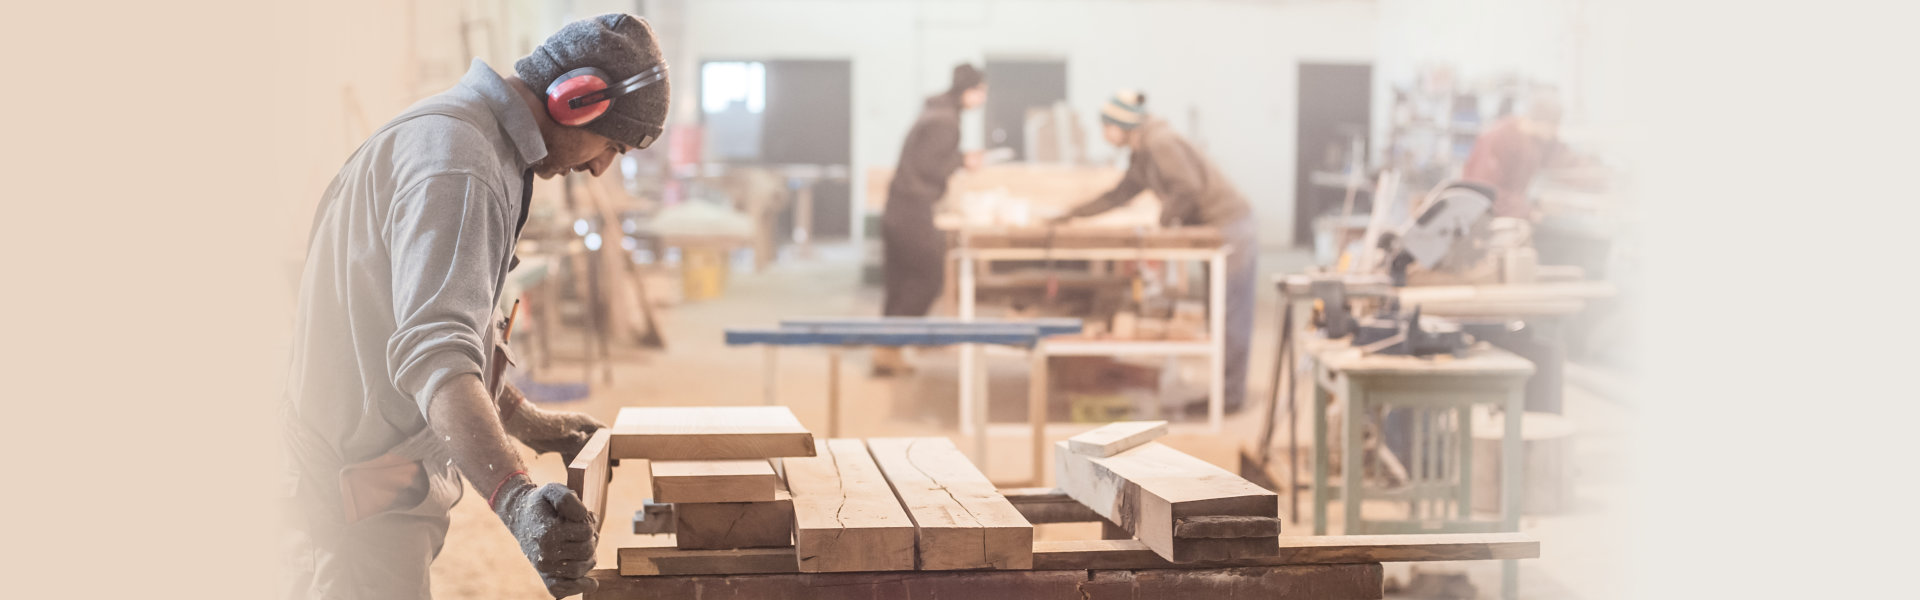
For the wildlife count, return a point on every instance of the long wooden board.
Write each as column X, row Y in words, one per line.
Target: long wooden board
column 960, row 520
column 845, row 517
column 709, row 433
column 589, row 473
column 1148, row 489
column 656, row 560
column 1298, row 550
column 1114, row 438
column 726, row 525
column 1131, row 554
column 1285, row 582
column 749, row 480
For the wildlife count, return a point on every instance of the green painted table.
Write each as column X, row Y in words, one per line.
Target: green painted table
column 1441, row 393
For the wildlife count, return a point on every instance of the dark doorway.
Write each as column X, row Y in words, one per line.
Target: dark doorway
column 792, row 115
column 1335, row 101
column 1014, row 86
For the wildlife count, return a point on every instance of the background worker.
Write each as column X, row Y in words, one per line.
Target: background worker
column 1192, row 192
column 916, row 252
column 1512, row 150
column 409, row 249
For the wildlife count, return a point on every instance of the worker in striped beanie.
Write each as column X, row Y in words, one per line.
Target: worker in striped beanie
column 1126, row 110
column 1193, row 193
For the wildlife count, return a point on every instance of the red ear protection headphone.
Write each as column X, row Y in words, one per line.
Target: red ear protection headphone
column 582, row 95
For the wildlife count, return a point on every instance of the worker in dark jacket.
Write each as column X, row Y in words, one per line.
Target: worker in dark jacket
column 1193, row 193
column 916, row 252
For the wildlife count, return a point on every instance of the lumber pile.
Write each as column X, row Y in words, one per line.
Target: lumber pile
column 1183, row 508
column 745, row 501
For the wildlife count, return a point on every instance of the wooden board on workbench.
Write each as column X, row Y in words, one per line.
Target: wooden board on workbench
column 1114, row 438
column 1286, row 582
column 709, row 433
column 728, row 525
column 1147, row 490
column 1298, row 550
column 1086, row 555
column 845, row 517
column 1087, row 236
column 960, row 520
column 589, row 473
column 747, row 480
column 668, row 560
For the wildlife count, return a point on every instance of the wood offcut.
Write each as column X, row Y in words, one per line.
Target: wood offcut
column 749, row 480
column 1148, row 489
column 1114, row 438
column 709, row 433
column 589, row 473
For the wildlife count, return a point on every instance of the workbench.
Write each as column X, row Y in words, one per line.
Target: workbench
column 978, row 248
column 912, row 518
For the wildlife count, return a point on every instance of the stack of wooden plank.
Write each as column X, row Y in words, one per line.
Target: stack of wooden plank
column 1183, row 508
column 721, row 504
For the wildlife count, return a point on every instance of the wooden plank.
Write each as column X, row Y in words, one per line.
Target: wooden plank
column 960, row 520
column 589, row 473
column 677, row 481
column 674, row 561
column 1148, row 488
column 709, row 433
column 727, row 525
column 845, row 517
column 1049, row 505
column 1298, row 550
column 1131, row 554
column 1286, row 582
column 1225, row 527
column 1114, row 438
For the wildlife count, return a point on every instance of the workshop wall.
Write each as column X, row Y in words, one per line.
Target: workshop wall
column 1576, row 45
column 1175, row 50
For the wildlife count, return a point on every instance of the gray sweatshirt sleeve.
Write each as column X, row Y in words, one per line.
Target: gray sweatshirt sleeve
column 447, row 236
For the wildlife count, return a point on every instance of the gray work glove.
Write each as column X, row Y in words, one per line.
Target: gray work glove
column 549, row 430
column 555, row 531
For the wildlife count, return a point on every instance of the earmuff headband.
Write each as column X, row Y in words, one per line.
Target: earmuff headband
column 632, row 84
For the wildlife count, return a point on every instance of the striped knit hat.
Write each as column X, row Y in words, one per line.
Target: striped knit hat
column 1125, row 109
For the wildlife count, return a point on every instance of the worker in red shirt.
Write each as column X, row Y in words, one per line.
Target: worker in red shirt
column 1512, row 150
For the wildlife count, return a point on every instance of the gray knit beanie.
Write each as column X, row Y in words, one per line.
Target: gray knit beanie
column 623, row 46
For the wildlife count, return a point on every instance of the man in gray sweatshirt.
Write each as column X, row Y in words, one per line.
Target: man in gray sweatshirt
column 410, row 246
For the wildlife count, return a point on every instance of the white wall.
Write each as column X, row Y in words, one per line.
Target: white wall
column 1236, row 61
column 1575, row 45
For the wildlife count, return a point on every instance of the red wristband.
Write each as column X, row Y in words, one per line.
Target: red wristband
column 503, row 483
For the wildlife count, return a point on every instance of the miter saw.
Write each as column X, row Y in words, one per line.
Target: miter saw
column 1452, row 232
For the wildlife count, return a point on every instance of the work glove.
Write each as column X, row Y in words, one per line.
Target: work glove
column 555, row 531
column 548, row 430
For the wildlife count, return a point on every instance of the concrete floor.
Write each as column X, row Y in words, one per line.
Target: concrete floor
column 1580, row 548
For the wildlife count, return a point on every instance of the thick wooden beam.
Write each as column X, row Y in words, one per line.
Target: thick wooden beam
column 845, row 517
column 960, row 519
column 749, row 480
column 1114, row 438
column 709, row 433
column 1131, row 554
column 1148, row 489
column 1298, row 550
column 589, row 473
column 1286, row 582
column 725, row 525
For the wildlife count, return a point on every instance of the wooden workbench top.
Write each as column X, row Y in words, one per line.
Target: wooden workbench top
column 1481, row 359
